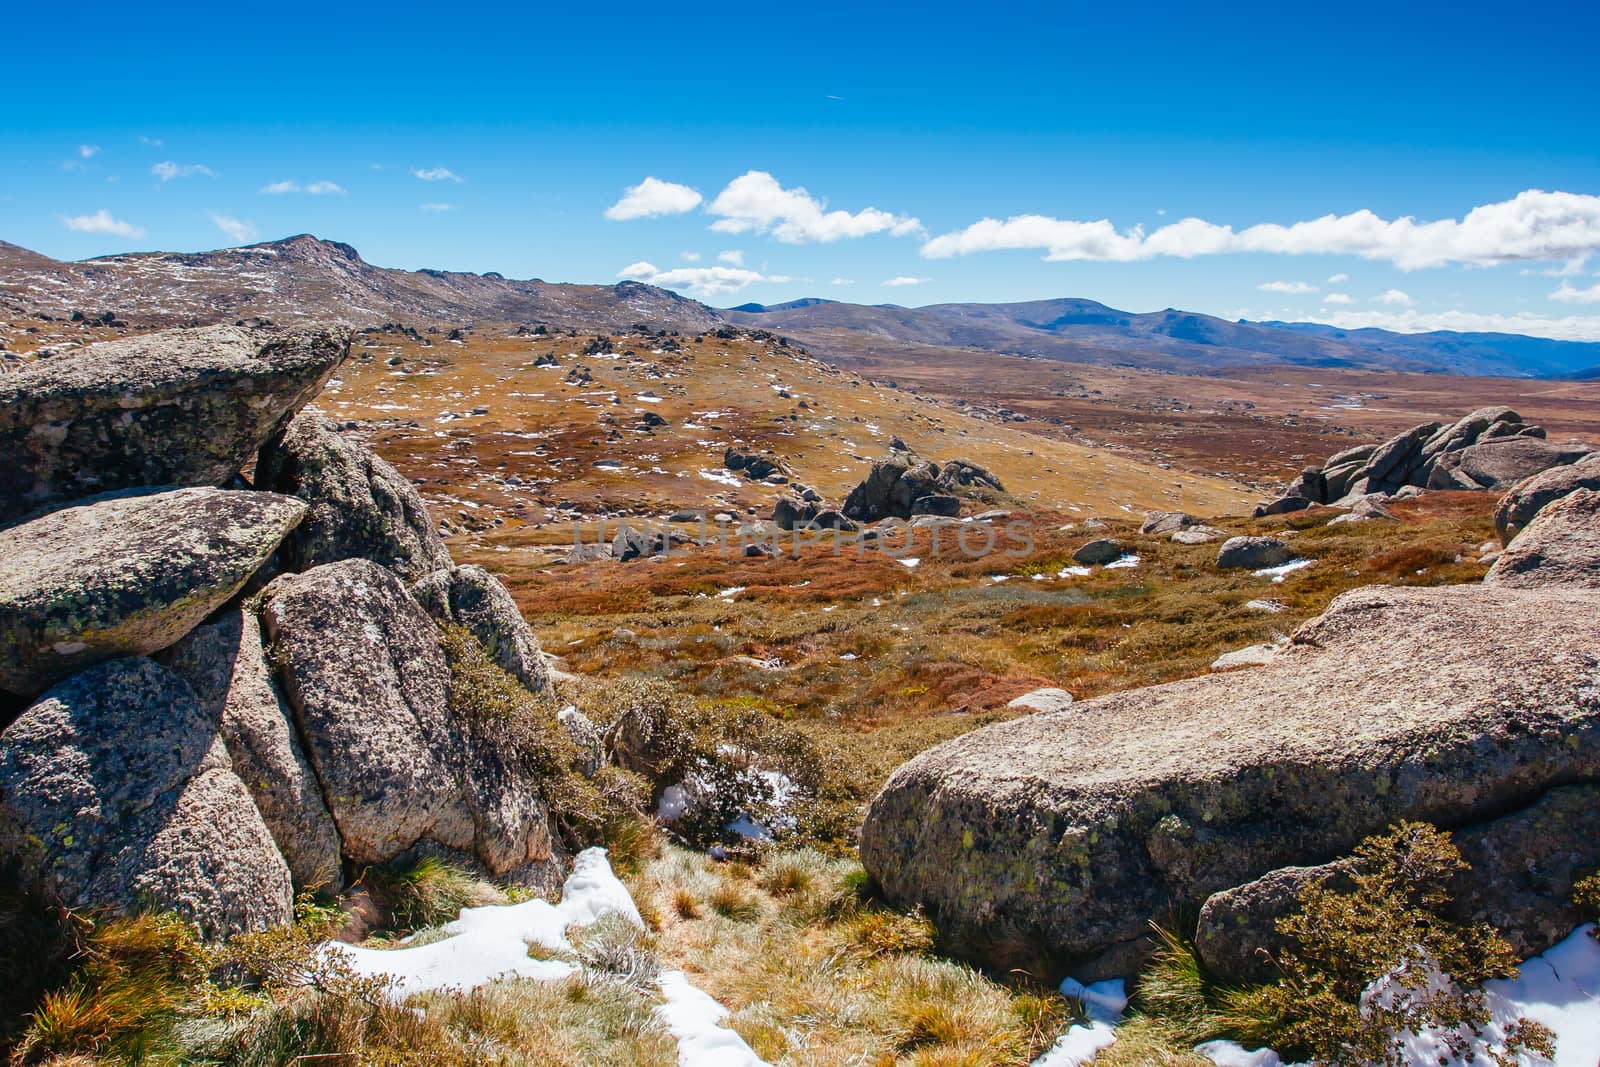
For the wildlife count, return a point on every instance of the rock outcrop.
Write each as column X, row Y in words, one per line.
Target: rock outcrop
column 180, row 408
column 116, row 792
column 126, row 573
column 904, row 485
column 472, row 597
column 1523, row 866
column 361, row 507
column 1489, row 449
column 1561, row 546
column 223, row 663
column 1518, row 507
column 1079, row 827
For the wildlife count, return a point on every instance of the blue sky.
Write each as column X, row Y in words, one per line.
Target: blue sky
column 481, row 137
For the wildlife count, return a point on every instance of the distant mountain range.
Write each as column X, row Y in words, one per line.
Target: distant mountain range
column 305, row 279
column 1089, row 332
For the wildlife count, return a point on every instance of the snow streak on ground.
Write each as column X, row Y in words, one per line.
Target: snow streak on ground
column 491, row 943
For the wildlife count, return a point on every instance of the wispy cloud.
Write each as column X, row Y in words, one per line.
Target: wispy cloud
column 755, row 202
column 150, row 142
column 653, row 198
column 905, row 279
column 1572, row 328
column 322, row 188
column 169, row 170
column 88, row 151
column 240, row 231
column 1395, row 296
column 102, row 222
column 1533, row 226
column 843, row 281
column 1292, row 288
column 436, row 174
column 689, row 257
column 733, row 255
column 1567, row 294
column 1338, row 298
column 437, row 207
column 700, row 281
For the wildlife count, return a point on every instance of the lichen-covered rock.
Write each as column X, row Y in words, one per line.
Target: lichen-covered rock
column 472, row 597
column 223, row 663
column 1445, row 705
column 1253, row 553
column 1561, row 546
column 1501, row 462
column 1523, row 866
column 361, row 507
column 182, row 407
column 116, row 792
column 1039, row 701
column 126, row 573
column 360, row 664
column 1161, row 523
column 1518, row 507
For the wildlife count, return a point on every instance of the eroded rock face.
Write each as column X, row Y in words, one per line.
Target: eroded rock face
column 1523, row 867
column 361, row 666
column 472, row 597
column 1560, row 547
column 1079, row 827
column 181, row 408
column 904, row 485
column 1500, row 463
column 361, row 507
column 126, row 573
column 1518, row 507
column 223, row 663
column 116, row 792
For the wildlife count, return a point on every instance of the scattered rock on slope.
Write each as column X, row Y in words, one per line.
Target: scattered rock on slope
column 1078, row 828
column 1561, row 546
column 223, row 663
column 179, row 408
column 896, row 486
column 126, row 573
column 1253, row 553
column 116, row 792
column 361, row 507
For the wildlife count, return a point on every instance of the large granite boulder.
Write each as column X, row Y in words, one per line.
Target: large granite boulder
column 126, row 573
column 904, row 485
column 472, row 597
column 1523, row 866
column 1561, row 546
column 1397, row 461
column 1501, row 462
column 1518, row 507
column 1446, row 705
column 116, row 792
column 183, row 407
column 1253, row 553
column 223, row 663
column 361, row 666
column 361, row 507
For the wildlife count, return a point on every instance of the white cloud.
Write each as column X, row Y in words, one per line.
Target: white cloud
column 1533, row 226
column 1395, row 296
column 325, row 188
column 102, row 222
column 652, row 198
column 169, row 170
column 905, row 280
column 436, row 207
column 690, row 257
column 1335, row 279
column 1293, row 288
column 755, row 202
column 843, row 281
column 1338, row 298
column 1571, row 328
column 701, row 281
column 88, row 151
column 280, row 188
column 435, row 174
column 150, row 142
column 1568, row 295
column 733, row 255
column 243, row 232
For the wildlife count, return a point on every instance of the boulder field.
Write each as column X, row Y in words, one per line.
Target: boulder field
column 222, row 694
column 1470, row 707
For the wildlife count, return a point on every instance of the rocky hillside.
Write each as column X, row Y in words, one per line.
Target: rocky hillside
column 303, row 279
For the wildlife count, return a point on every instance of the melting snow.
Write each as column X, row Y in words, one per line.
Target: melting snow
column 1123, row 562
column 1277, row 573
column 1104, row 1002
column 694, row 1018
